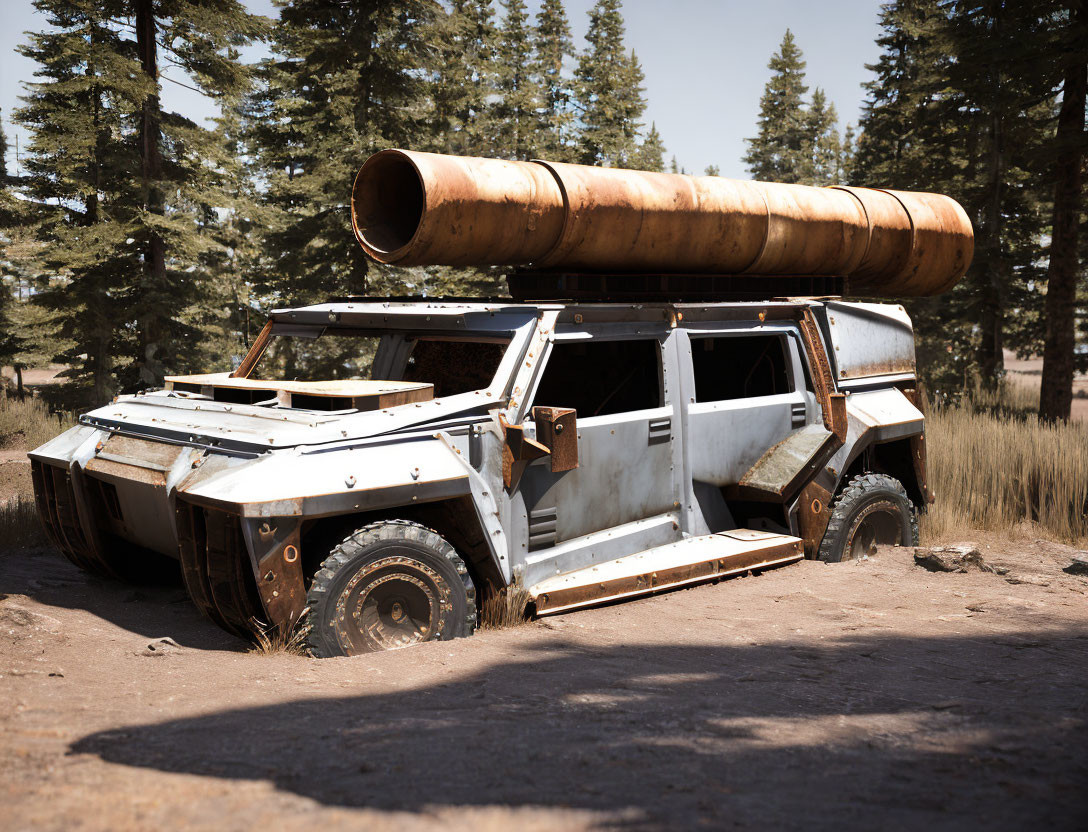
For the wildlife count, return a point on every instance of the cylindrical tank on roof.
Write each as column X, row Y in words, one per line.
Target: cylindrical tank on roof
column 411, row 209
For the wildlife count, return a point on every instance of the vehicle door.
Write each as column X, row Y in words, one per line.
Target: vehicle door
column 745, row 391
column 624, row 494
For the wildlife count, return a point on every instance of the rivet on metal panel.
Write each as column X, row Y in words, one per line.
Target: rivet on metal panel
column 350, row 481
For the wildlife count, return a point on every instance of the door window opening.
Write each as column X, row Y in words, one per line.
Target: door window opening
column 739, row 367
column 598, row 378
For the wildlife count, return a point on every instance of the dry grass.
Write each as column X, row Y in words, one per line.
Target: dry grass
column 19, row 524
column 271, row 640
column 994, row 466
column 505, row 608
column 28, row 423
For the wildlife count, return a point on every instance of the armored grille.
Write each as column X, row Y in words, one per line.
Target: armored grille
column 216, row 569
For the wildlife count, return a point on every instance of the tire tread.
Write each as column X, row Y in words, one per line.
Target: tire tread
column 856, row 489
column 353, row 545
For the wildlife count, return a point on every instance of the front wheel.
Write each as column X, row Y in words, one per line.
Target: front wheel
column 872, row 510
column 389, row 585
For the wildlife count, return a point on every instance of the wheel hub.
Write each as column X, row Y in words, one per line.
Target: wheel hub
column 877, row 524
column 393, row 602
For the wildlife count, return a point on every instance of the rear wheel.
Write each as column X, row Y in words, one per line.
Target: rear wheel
column 389, row 585
column 872, row 510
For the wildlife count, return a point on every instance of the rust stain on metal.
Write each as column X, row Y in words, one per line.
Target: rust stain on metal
column 281, row 585
column 703, row 570
column 832, row 403
column 814, row 513
column 413, row 208
column 518, row 450
column 918, row 446
column 557, row 430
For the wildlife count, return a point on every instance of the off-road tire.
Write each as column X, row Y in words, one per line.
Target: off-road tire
column 863, row 500
column 351, row 612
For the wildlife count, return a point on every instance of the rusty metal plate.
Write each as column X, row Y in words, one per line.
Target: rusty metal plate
column 557, row 430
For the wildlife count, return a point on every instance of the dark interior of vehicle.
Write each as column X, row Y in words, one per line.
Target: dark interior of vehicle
column 601, row 377
column 739, row 367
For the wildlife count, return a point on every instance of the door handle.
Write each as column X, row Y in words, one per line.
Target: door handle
column 660, row 430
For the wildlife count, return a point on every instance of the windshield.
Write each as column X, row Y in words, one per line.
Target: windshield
column 453, row 363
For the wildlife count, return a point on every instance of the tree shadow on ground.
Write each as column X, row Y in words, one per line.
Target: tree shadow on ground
column 873, row 732
column 147, row 610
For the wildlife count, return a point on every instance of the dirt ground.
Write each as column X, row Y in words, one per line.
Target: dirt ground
column 14, row 475
column 865, row 695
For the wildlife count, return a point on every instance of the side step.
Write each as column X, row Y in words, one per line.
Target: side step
column 674, row 564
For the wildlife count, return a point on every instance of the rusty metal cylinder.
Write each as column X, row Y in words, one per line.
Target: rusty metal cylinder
column 411, row 208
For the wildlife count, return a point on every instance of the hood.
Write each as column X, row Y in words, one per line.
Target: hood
column 254, row 429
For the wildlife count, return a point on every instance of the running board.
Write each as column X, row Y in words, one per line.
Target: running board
column 688, row 561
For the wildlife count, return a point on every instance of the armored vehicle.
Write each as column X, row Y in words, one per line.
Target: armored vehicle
column 385, row 465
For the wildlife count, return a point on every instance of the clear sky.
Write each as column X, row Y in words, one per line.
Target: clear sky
column 705, row 63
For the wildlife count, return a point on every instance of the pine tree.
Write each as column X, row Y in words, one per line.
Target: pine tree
column 466, row 81
column 609, row 83
column 519, row 94
column 1056, row 388
column 651, row 152
column 782, row 150
column 907, row 140
column 553, row 46
column 1002, row 87
column 9, row 343
column 824, row 143
column 348, row 80
column 231, row 267
column 202, row 38
column 82, row 169
column 903, row 117
column 845, row 170
column 712, row 170
column 960, row 101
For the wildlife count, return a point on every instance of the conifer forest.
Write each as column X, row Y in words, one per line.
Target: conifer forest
column 139, row 243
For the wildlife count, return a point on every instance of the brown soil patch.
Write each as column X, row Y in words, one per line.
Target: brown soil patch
column 863, row 695
column 14, row 478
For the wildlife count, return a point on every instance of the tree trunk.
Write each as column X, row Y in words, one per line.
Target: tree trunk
column 150, row 323
column 102, row 360
column 1056, row 390
column 991, row 362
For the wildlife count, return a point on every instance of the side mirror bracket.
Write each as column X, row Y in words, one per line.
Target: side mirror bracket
column 556, row 438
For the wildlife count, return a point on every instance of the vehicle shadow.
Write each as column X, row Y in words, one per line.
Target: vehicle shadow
column 872, row 732
column 153, row 611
